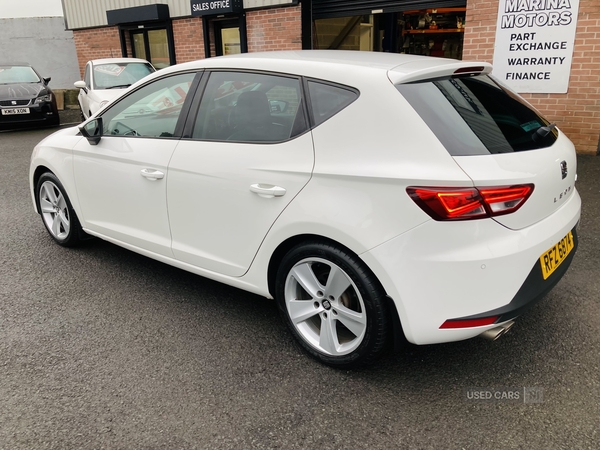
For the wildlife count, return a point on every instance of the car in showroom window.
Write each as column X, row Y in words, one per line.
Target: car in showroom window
column 359, row 190
column 106, row 79
column 25, row 98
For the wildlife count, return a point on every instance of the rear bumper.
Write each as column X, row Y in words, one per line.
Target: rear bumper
column 533, row 290
column 442, row 271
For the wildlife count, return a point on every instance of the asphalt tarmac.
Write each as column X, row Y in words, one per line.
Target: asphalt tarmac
column 103, row 348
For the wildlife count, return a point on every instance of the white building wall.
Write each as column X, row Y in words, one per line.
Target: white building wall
column 43, row 43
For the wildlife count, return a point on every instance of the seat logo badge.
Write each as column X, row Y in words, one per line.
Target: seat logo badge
column 563, row 169
column 13, row 102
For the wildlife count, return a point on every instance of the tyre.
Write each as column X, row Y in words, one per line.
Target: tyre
column 333, row 305
column 57, row 213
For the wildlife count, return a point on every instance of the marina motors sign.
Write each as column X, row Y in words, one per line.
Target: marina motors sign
column 534, row 44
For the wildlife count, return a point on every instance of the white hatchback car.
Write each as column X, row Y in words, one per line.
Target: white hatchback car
column 106, row 79
column 375, row 196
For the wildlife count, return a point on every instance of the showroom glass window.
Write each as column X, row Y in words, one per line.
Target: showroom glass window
column 250, row 107
column 152, row 45
column 151, row 111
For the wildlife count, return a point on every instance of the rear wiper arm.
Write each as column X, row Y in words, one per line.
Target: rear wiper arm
column 542, row 132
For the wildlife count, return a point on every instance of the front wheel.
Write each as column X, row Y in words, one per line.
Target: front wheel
column 333, row 305
column 57, row 213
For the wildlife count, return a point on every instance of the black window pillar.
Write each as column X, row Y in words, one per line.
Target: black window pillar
column 307, row 24
column 243, row 34
column 206, row 36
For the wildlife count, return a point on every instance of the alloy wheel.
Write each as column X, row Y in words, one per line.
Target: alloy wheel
column 325, row 306
column 55, row 211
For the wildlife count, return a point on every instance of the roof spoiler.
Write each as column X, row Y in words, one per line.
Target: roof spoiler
column 429, row 70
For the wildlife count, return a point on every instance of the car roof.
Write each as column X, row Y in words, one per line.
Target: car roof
column 325, row 63
column 96, row 62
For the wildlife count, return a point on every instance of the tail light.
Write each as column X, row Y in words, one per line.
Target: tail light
column 469, row 203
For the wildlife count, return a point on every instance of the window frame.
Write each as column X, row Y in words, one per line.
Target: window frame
column 305, row 104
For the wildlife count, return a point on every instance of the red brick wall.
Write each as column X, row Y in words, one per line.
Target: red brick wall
column 96, row 43
column 270, row 29
column 577, row 112
column 274, row 29
column 189, row 41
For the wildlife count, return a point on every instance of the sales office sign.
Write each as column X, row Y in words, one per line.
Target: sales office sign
column 205, row 8
column 534, row 44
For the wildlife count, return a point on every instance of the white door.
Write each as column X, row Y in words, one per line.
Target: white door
column 121, row 181
column 248, row 157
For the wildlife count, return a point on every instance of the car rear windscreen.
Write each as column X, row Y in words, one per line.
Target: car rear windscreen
column 477, row 116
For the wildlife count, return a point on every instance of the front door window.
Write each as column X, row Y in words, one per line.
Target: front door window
column 152, row 111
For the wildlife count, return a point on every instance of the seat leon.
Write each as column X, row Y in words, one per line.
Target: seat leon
column 25, row 98
column 376, row 197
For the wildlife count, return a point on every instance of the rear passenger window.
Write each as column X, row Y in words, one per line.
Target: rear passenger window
column 250, row 107
column 328, row 100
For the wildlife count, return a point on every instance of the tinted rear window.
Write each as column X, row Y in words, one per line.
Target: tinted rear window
column 476, row 116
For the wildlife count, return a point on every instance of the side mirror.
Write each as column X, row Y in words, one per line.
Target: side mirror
column 47, row 80
column 92, row 130
column 81, row 85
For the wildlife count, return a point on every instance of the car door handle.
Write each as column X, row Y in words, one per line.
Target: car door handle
column 267, row 190
column 152, row 174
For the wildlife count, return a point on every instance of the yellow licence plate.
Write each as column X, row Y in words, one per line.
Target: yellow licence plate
column 554, row 257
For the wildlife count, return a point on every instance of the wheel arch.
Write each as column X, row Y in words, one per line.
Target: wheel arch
column 284, row 247
column 37, row 173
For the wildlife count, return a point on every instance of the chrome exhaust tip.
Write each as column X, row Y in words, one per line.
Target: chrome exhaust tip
column 494, row 333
